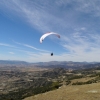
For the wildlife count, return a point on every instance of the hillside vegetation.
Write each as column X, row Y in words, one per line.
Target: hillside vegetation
column 19, row 84
column 76, row 85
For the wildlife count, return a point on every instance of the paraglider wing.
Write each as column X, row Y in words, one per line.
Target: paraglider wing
column 47, row 34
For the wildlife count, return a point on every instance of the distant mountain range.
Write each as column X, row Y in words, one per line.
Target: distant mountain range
column 51, row 64
column 70, row 63
column 12, row 62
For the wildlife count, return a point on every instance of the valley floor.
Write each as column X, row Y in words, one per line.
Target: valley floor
column 71, row 92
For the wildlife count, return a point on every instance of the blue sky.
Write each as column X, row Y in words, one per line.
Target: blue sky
column 23, row 22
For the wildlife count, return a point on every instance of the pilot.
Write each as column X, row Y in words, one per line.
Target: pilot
column 51, row 54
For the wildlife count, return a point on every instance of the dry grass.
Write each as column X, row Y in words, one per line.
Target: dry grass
column 76, row 92
column 82, row 79
column 32, row 69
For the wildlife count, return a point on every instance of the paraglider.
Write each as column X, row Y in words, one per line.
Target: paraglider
column 47, row 34
column 51, row 54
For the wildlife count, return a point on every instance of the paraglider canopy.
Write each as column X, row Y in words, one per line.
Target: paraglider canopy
column 47, row 34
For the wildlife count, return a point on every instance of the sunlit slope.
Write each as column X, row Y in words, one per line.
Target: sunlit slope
column 76, row 92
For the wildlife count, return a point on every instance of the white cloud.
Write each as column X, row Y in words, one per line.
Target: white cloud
column 89, row 6
column 47, row 16
column 29, row 46
column 45, row 57
column 15, row 48
column 32, row 47
column 11, row 52
column 83, row 46
column 7, row 45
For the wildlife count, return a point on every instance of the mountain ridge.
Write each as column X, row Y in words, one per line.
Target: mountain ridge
column 51, row 64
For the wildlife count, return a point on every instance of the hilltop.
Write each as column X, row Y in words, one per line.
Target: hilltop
column 70, row 92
